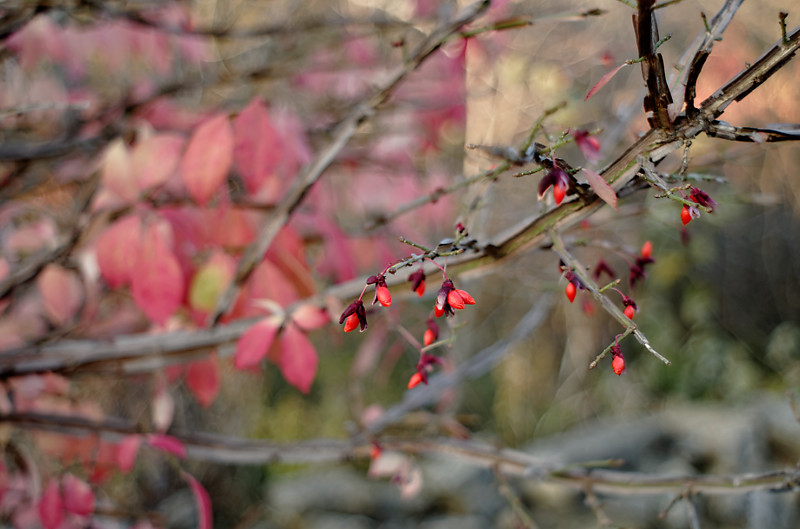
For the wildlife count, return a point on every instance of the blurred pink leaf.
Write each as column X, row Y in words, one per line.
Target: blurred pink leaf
column 117, row 248
column 202, row 377
column 51, row 506
column 157, row 284
column 155, row 159
column 298, row 358
column 258, row 147
column 167, row 443
column 208, row 158
column 601, row 187
column 309, row 316
column 118, row 175
column 202, row 500
column 127, row 450
column 604, row 80
column 78, row 495
column 62, row 293
column 254, row 344
column 163, row 406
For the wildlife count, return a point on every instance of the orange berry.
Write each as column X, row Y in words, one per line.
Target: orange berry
column 415, row 380
column 351, row 323
column 559, row 192
column 629, row 312
column 455, row 300
column 465, row 297
column 384, row 296
column 618, row 364
column 647, row 249
column 686, row 215
column 571, row 290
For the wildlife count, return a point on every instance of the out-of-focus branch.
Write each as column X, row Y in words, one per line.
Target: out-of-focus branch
column 242, row 451
column 253, row 254
column 658, row 95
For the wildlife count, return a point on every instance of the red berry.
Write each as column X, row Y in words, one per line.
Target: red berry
column 465, row 297
column 618, row 364
column 437, row 311
column 351, row 323
column 421, row 289
column 384, row 296
column 647, row 248
column 559, row 191
column 686, row 215
column 429, row 337
column 571, row 291
column 375, row 452
column 415, row 380
column 455, row 300
column 629, row 312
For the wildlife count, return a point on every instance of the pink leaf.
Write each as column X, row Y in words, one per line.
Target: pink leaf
column 158, row 280
column 208, row 157
column 203, row 380
column 601, row 187
column 604, row 80
column 201, row 498
column 167, row 443
column 155, row 159
column 62, row 293
column 117, row 175
column 258, row 148
column 51, row 506
column 163, row 406
column 116, row 250
column 298, row 358
column 309, row 316
column 254, row 344
column 78, row 495
column 127, row 450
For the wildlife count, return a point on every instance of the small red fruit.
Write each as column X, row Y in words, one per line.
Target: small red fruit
column 686, row 215
column 455, row 300
column 647, row 249
column 429, row 337
column 465, row 297
column 559, row 192
column 618, row 364
column 629, row 312
column 571, row 290
column 437, row 311
column 351, row 323
column 415, row 380
column 384, row 296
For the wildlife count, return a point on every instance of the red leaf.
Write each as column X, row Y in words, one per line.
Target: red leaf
column 258, row 149
column 167, row 443
column 62, row 293
column 158, row 280
column 298, row 358
column 51, row 506
column 203, row 380
column 116, row 250
column 601, row 187
column 127, row 450
column 155, row 159
column 254, row 344
column 203, row 501
column 604, row 80
column 78, row 495
column 208, row 158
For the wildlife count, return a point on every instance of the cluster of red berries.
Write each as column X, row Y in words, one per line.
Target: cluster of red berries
column 448, row 300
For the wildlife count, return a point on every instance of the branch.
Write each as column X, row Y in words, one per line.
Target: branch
column 658, row 95
column 231, row 450
column 255, row 252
